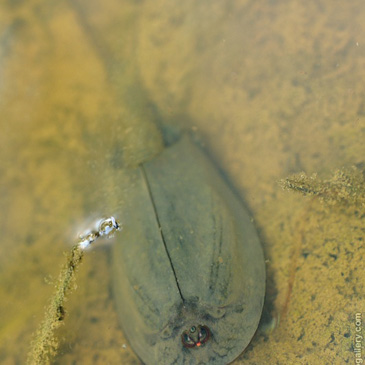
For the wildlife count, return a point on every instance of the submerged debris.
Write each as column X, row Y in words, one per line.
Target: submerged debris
column 347, row 186
column 45, row 343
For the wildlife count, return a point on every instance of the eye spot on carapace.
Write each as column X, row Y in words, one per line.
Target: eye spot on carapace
column 196, row 336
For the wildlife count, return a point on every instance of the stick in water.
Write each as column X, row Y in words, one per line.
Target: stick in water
column 45, row 344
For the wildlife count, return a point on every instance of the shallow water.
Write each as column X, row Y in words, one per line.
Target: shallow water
column 271, row 89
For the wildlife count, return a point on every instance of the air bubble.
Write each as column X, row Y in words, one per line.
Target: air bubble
column 107, row 228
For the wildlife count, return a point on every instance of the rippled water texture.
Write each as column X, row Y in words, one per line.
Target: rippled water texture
column 272, row 89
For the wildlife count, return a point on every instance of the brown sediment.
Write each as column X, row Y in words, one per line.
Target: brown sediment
column 344, row 187
column 297, row 246
column 45, row 343
column 273, row 88
column 324, row 279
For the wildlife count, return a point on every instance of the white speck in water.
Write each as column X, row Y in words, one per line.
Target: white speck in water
column 107, row 228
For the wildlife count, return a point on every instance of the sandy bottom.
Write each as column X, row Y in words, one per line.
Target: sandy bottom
column 270, row 89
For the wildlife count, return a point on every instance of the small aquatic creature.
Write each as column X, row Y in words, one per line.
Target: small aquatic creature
column 189, row 273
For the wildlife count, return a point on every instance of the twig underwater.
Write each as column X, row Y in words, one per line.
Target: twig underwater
column 346, row 187
column 45, row 343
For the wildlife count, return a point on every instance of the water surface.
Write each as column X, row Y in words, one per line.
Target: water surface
column 270, row 88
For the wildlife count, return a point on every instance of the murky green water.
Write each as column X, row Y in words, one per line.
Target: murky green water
column 271, row 89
